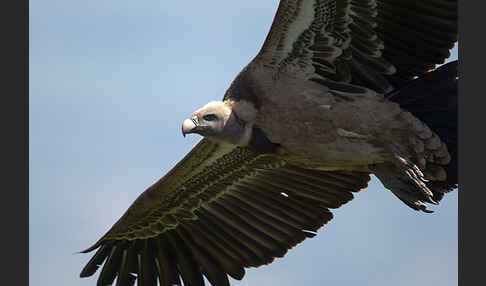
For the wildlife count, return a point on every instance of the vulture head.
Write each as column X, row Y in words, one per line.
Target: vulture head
column 217, row 121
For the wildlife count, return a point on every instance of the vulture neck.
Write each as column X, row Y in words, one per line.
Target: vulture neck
column 239, row 133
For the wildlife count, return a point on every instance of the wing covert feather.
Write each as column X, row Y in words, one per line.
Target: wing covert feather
column 377, row 44
column 225, row 209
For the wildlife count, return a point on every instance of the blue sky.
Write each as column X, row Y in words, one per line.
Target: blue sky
column 110, row 84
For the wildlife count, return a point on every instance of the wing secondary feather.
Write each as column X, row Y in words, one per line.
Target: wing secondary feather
column 218, row 211
column 376, row 44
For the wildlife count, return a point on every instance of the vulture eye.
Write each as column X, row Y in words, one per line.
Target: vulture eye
column 210, row 117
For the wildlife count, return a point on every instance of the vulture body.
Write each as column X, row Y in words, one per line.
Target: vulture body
column 340, row 90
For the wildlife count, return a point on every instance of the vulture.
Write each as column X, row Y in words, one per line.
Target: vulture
column 340, row 90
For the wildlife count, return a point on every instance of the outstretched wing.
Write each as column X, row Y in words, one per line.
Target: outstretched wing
column 219, row 210
column 376, row 44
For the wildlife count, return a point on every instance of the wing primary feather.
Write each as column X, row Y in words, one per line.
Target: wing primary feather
column 95, row 262
column 248, row 219
column 132, row 263
column 188, row 268
column 218, row 250
column 166, row 263
column 443, row 26
column 139, row 269
column 446, row 9
column 422, row 52
column 110, row 269
column 124, row 275
column 147, row 276
column 211, row 269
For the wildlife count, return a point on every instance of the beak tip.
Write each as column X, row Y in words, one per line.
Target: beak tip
column 187, row 126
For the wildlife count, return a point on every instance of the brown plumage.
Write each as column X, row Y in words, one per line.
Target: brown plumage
column 339, row 90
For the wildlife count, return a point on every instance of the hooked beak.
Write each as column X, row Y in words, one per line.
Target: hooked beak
column 189, row 125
